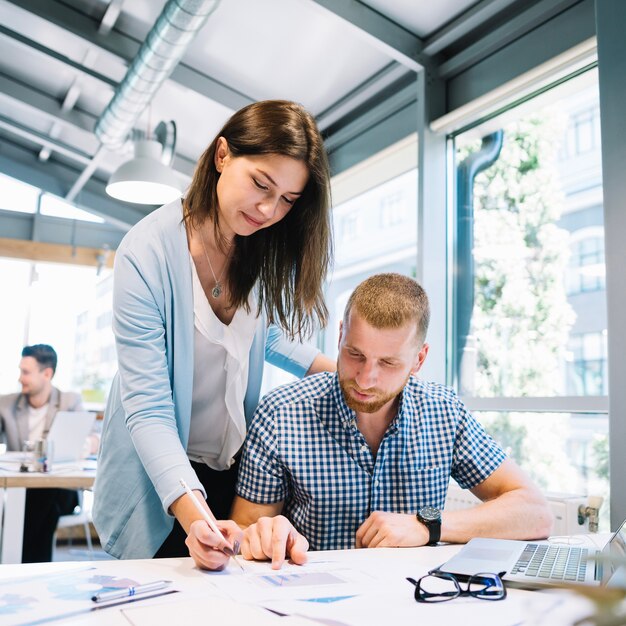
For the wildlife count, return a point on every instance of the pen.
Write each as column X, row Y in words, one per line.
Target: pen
column 103, row 596
column 227, row 550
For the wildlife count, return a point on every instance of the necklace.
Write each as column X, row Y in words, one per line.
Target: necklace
column 216, row 292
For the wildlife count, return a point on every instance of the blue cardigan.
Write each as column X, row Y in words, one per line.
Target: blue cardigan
column 148, row 413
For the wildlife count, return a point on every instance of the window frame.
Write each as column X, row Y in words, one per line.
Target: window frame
column 557, row 404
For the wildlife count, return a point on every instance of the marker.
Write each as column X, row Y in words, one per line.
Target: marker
column 227, row 550
column 104, row 596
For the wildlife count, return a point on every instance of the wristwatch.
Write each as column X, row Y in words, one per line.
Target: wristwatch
column 431, row 518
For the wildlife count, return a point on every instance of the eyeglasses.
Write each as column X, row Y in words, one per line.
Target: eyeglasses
column 441, row 586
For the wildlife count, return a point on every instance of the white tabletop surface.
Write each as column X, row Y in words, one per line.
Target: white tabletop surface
column 376, row 592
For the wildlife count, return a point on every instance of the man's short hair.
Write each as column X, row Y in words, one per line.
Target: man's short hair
column 390, row 301
column 44, row 354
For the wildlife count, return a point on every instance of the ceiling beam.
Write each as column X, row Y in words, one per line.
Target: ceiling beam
column 398, row 43
column 124, row 48
column 18, row 226
column 35, row 45
column 16, row 92
column 503, row 35
column 47, row 142
column 110, row 16
column 361, row 94
column 56, row 178
column 37, row 102
column 404, row 95
column 464, row 24
column 55, row 253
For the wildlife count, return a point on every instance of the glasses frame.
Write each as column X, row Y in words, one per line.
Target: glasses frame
column 426, row 597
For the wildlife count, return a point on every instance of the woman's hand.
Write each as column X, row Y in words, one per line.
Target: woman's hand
column 206, row 548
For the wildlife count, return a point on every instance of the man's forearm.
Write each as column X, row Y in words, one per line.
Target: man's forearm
column 518, row 514
column 245, row 513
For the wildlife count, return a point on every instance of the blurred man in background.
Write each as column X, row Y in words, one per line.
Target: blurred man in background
column 28, row 416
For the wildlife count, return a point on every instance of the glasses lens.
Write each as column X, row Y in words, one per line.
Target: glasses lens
column 436, row 588
column 486, row 587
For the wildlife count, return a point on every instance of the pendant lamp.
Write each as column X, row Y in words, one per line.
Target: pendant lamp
column 145, row 179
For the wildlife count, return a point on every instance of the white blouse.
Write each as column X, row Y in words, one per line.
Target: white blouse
column 220, row 378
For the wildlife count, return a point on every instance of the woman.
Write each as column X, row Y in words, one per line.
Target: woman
column 201, row 286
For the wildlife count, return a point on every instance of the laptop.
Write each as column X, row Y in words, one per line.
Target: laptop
column 67, row 435
column 533, row 564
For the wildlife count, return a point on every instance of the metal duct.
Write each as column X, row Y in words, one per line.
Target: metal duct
column 163, row 48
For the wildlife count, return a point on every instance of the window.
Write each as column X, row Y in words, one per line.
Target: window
column 17, row 196
column 561, row 452
column 584, row 131
column 394, row 209
column 52, row 303
column 530, row 321
column 526, row 245
column 560, row 459
column 587, row 373
column 385, row 240
column 104, row 320
column 66, row 306
column 349, row 227
column 57, row 207
column 375, row 229
column 21, row 197
column 586, row 265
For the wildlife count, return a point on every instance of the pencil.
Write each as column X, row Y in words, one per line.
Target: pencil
column 210, row 521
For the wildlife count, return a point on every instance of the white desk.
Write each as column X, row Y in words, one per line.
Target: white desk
column 13, row 487
column 387, row 599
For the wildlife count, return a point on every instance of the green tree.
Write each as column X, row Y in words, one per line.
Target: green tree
column 521, row 318
column 508, row 434
column 521, row 314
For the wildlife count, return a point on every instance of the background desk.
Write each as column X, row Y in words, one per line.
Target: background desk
column 13, row 487
column 389, row 600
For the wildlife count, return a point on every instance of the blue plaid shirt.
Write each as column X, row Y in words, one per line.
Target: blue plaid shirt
column 303, row 448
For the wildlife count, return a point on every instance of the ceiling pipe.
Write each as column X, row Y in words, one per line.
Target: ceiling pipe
column 163, row 48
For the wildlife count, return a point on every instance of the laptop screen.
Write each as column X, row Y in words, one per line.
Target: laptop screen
column 68, row 433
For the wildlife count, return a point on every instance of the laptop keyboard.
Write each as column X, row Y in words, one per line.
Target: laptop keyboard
column 552, row 562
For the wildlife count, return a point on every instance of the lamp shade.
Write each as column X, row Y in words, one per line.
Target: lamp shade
column 144, row 179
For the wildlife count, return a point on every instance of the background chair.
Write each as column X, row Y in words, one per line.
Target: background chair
column 80, row 517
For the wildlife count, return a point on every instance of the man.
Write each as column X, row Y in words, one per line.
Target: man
column 362, row 458
column 28, row 415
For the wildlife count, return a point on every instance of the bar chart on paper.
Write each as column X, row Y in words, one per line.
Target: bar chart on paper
column 300, row 579
column 316, row 581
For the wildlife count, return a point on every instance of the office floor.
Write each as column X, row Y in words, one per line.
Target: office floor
column 77, row 551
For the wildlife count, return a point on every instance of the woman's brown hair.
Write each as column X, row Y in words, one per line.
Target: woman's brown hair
column 290, row 259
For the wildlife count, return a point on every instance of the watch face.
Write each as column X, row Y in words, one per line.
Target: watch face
column 429, row 513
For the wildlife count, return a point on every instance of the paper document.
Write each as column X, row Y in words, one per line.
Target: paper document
column 373, row 609
column 208, row 610
column 317, row 580
column 57, row 597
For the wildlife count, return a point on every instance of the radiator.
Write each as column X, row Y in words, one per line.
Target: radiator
column 564, row 508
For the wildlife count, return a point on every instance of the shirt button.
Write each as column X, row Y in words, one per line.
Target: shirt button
column 376, row 483
column 363, row 448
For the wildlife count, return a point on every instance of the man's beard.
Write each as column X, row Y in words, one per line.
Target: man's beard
column 370, row 406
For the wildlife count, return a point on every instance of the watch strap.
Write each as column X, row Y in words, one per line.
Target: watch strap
column 434, row 529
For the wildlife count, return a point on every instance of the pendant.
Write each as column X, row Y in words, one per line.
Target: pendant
column 216, row 292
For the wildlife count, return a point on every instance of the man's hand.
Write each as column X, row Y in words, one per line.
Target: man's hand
column 205, row 546
column 274, row 538
column 391, row 530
